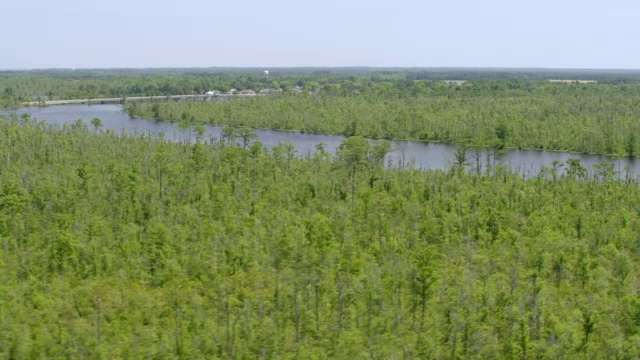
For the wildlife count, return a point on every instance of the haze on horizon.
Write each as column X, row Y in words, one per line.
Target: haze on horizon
column 287, row 33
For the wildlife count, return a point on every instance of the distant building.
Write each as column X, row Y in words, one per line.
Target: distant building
column 247, row 92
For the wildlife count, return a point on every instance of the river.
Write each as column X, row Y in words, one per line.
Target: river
column 406, row 153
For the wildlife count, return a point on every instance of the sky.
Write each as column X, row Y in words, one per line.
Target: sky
column 581, row 34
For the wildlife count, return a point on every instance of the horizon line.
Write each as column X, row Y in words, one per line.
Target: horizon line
column 493, row 68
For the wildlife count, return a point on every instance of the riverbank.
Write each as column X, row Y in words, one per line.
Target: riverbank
column 588, row 123
column 104, row 101
column 464, row 146
column 421, row 155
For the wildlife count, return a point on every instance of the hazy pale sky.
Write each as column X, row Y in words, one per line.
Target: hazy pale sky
column 280, row 33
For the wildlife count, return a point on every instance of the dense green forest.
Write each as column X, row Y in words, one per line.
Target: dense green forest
column 578, row 117
column 132, row 247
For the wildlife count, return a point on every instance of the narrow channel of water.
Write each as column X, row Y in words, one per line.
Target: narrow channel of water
column 420, row 155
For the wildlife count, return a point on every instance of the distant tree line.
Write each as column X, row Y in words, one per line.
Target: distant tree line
column 52, row 84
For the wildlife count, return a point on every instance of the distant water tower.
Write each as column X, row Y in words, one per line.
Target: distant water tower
column 266, row 74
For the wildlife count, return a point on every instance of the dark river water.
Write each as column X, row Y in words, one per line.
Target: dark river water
column 406, row 153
